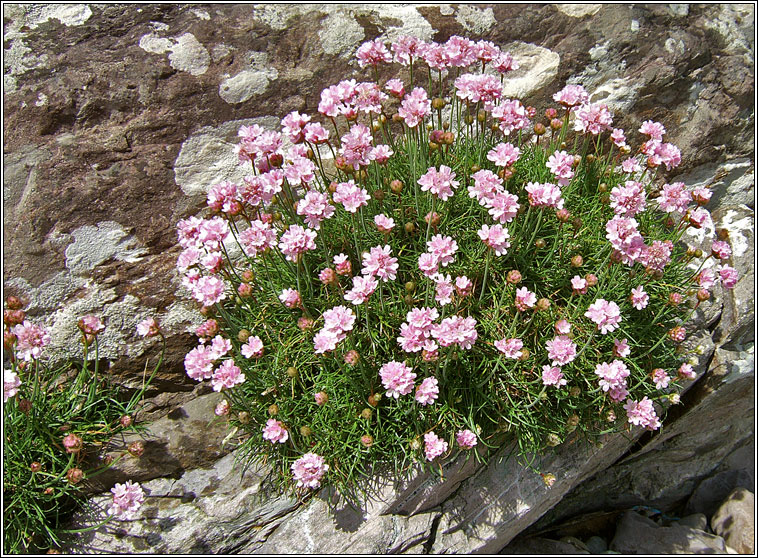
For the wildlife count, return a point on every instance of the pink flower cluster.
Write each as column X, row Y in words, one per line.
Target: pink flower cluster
column 561, row 350
column 338, row 321
column 642, row 413
column 441, row 182
column 309, row 470
column 351, row 196
column 379, row 262
column 11, row 383
column 476, row 88
column 456, row 330
column 511, row 348
column 561, row 164
column 397, row 378
column 275, row 431
column 415, row 107
column 434, row 446
column 544, row 195
column 127, row 500
column 30, row 340
column 613, row 378
column 315, row 207
column 606, row 315
column 416, row 332
column 553, row 376
column 496, row 237
column 628, row 199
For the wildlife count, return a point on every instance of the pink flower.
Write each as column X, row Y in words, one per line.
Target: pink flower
column 618, row 137
column 642, row 413
column 621, row 348
column 525, row 299
column 339, row 319
column 440, row 183
column 31, row 339
column 456, row 330
column 571, row 96
column 630, row 165
column 578, row 284
column 434, row 446
column 427, row 391
column 342, row 264
column 511, row 348
column 293, row 124
column 397, row 378
column 415, row 107
column 552, row 376
column 219, row 347
column 466, row 439
column 315, row 133
column 275, row 431
column 606, row 315
column 207, row 329
column 253, row 348
column 127, row 499
column 325, row 341
column 308, row 470
column 351, row 196
column 512, row 116
column 227, row 376
column 380, row 263
column 363, row 287
column 561, row 350
column 223, row 197
column 395, row 87
column 503, row 206
column 443, row 289
column 628, row 199
column 721, row 250
column 674, row 197
column 352, row 357
column 327, row 276
column 91, row 325
column 291, row 298
column 593, row 118
column 383, row 223
column 315, row 207
column 544, row 195
column 148, row 328
column 623, row 235
column 258, row 238
column 639, row 298
column 561, row 164
column 612, row 375
column 296, row 241
column 656, row 256
column 563, row 327
column 443, row 248
column 406, row 48
column 11, row 383
column 660, row 378
column 687, row 372
column 372, row 53
column 381, row 154
column 653, row 129
column 701, row 195
column 198, row 363
column 428, row 263
column 504, row 154
column 476, row 88
column 677, row 334
column 728, row 275
column 496, row 237
column 505, row 63
column 463, row 286
column 222, row 408
column 486, row 185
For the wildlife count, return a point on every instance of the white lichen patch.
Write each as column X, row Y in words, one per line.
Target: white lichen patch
column 736, row 227
column 339, row 34
column 186, row 54
column 251, row 81
column 634, row 26
column 33, row 15
column 578, row 10
column 619, row 94
column 201, row 14
column 49, row 295
column 41, row 100
column 446, row 9
column 207, row 157
column 219, row 51
column 94, row 245
column 475, row 20
column 538, row 66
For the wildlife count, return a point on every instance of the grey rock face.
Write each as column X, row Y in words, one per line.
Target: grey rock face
column 735, row 521
column 636, row 534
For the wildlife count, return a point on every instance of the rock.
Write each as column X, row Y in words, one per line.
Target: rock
column 735, row 521
column 695, row 521
column 636, row 534
column 541, row 546
column 712, row 491
column 596, row 545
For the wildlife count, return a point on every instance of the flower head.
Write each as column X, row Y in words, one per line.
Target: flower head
column 127, row 500
column 434, row 446
column 553, row 376
column 606, row 315
column 397, row 378
column 309, row 470
column 427, row 391
column 466, row 439
column 275, row 431
column 11, row 383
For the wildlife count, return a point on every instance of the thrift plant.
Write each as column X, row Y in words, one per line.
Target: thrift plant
column 426, row 267
column 58, row 421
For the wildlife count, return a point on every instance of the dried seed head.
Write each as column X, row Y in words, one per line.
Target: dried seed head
column 136, row 448
column 305, row 431
column 367, row 413
column 273, row 409
column 577, row 261
column 543, row 304
column 291, row 372
column 243, row 336
column 367, row 441
column 74, row 476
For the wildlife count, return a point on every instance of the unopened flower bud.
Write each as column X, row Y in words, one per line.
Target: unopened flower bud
column 438, row 103
column 244, row 290
column 273, row 409
column 539, row 129
column 577, row 223
column 703, row 295
column 698, row 253
column 397, row 118
column 551, row 113
column 74, row 476
column 72, row 443
column 352, row 357
column 675, row 299
column 468, row 119
column 378, row 194
column 433, row 217
column 35, row 467
column 13, row 317
column 513, row 277
column 24, row 405
column 556, row 124
column 602, row 187
column 577, row 261
column 434, row 146
column 243, row 417
column 699, row 350
column 677, row 334
column 409, row 227
column 243, row 336
column 543, row 304
column 540, row 243
column 125, row 421
column 553, row 440
column 321, row 398
column 305, row 323
column 48, row 491
column 291, row 372
column 13, row 303
column 475, row 168
column 367, row 441
column 367, row 413
column 248, row 276
column 374, row 399
column 481, row 116
column 222, row 409
column 575, row 391
column 563, row 215
column 410, row 286
column 524, row 354
column 572, row 422
column 305, row 431
column 136, row 448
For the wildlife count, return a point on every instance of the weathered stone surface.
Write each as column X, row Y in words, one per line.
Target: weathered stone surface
column 541, row 547
column 695, row 521
column 735, row 521
column 710, row 492
column 636, row 534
